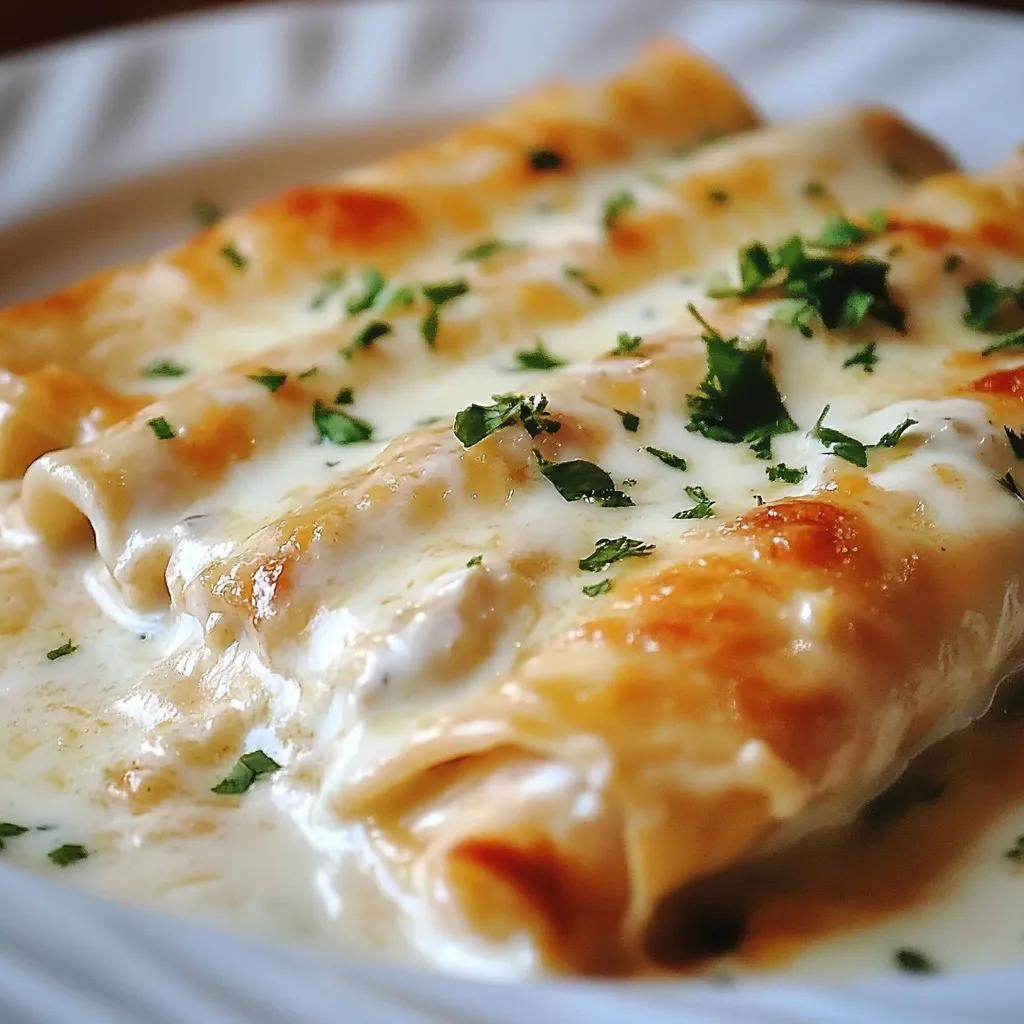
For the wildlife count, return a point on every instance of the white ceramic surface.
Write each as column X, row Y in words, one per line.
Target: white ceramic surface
column 103, row 146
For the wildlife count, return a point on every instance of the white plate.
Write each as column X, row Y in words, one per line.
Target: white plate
column 103, row 146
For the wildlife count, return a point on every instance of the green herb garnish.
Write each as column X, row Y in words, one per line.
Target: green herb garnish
column 839, row 233
column 339, row 427
column 69, row 853
column 675, row 461
column 538, row 358
column 373, row 285
column 615, row 206
column 738, row 401
column 1012, row 339
column 951, row 264
column 165, row 368
column 445, row 291
column 984, row 299
column 345, row 396
column 544, row 159
column 596, row 589
column 626, row 344
column 787, row 474
column 1015, row 853
column 270, row 379
column 61, row 652
column 476, row 422
column 366, row 336
column 864, row 357
column 249, row 768
column 718, row 196
column 206, row 212
column 311, row 372
column 580, row 276
column 231, row 253
column 913, row 961
column 614, row 549
column 429, row 326
column 813, row 189
column 849, row 448
column 630, row 420
column 161, row 428
column 1016, row 442
column 333, row 282
column 578, row 480
column 703, row 507
column 485, row 250
column 8, row 830
column 475, row 561
column 1008, row 484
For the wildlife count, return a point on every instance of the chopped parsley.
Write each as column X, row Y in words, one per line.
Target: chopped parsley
column 339, row 427
column 629, row 482
column 311, row 372
column 69, row 853
column 165, row 368
column 1009, row 485
column 476, row 422
column 1012, row 339
column 61, row 652
column 813, row 189
column 615, row 206
column 231, row 253
column 161, row 428
column 1016, row 442
column 270, row 379
column 596, row 589
column 580, row 276
column 538, row 358
column 630, row 420
column 345, row 396
column 626, row 344
column 913, row 961
column 366, row 336
column 8, row 830
column 445, row 291
column 703, row 507
column 675, row 461
column 787, row 474
column 475, row 561
column 864, row 357
column 395, row 297
column 333, row 281
column 485, row 250
column 429, row 326
column 849, row 448
column 839, row 233
column 206, row 212
column 738, row 401
column 838, row 292
column 951, row 264
column 249, row 768
column 544, row 159
column 578, row 480
column 1015, row 853
column 984, row 299
column 614, row 549
column 373, row 285
column 718, row 196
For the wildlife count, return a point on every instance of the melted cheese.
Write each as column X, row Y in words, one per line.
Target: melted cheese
column 485, row 767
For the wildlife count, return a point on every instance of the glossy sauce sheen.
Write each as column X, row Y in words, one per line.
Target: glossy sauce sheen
column 367, row 613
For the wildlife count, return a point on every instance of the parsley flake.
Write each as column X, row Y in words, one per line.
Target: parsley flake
column 703, row 507
column 864, row 357
column 333, row 281
column 249, row 768
column 69, row 853
column 366, row 336
column 206, row 212
column 813, row 189
column 165, row 368
column 580, row 276
column 1016, row 442
column 596, row 589
column 578, row 479
column 892, row 437
column 1010, row 340
column 718, row 196
column 615, row 206
column 984, row 300
column 839, row 233
column 161, row 428
column 614, row 549
column 538, row 358
column 787, row 474
column 373, row 285
column 544, row 159
column 849, row 448
column 738, row 401
column 1015, row 853
column 345, row 396
column 311, row 372
column 951, row 264
column 1007, row 482
column 475, row 561
column 485, row 250
column 476, row 422
column 913, row 961
column 626, row 344
column 429, row 326
column 231, row 253
column 630, row 420
column 339, row 427
column 8, row 830
column 445, row 291
column 675, row 461
column 270, row 379
column 61, row 652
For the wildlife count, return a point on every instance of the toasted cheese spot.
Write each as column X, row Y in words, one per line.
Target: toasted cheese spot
column 351, row 218
column 223, row 436
column 927, row 234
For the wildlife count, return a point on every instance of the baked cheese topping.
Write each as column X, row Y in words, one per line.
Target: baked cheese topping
column 472, row 559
